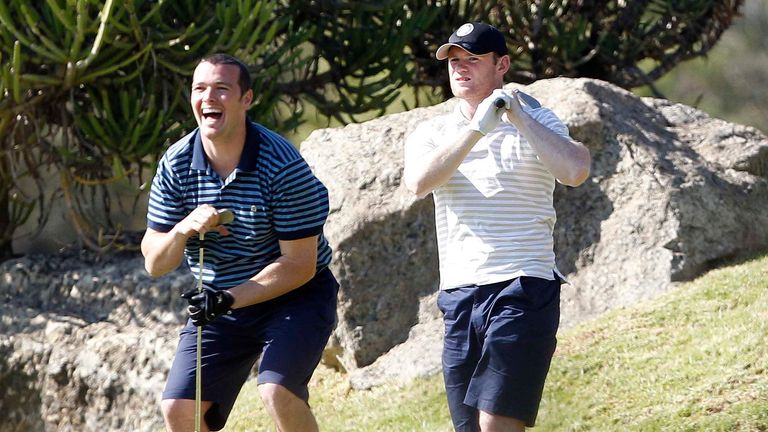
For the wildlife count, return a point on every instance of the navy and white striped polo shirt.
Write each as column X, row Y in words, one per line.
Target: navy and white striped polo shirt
column 272, row 193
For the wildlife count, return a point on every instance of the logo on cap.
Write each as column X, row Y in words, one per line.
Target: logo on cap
column 476, row 38
column 465, row 30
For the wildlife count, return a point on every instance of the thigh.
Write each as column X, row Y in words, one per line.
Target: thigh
column 297, row 335
column 527, row 309
column 226, row 362
column 461, row 352
column 519, row 340
column 460, row 341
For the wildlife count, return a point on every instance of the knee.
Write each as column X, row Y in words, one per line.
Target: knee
column 172, row 408
column 493, row 422
column 275, row 396
column 180, row 410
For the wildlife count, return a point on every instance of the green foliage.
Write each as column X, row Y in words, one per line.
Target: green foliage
column 731, row 81
column 603, row 39
column 692, row 360
column 93, row 90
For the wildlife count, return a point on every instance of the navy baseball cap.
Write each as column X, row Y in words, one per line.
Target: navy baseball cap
column 477, row 38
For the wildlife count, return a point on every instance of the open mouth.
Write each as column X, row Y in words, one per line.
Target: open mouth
column 211, row 113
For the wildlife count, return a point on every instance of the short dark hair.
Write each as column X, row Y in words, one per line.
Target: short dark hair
column 220, row 58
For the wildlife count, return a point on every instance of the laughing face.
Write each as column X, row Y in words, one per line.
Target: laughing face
column 217, row 101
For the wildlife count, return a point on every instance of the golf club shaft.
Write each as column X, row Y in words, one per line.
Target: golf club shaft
column 225, row 217
column 198, row 369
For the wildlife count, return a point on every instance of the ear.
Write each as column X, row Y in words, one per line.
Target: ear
column 247, row 98
column 503, row 64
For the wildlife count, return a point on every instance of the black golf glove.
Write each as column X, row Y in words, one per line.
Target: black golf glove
column 207, row 305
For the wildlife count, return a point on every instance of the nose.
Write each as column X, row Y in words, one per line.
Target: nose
column 460, row 65
column 206, row 93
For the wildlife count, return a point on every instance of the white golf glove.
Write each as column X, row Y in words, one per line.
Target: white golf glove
column 488, row 115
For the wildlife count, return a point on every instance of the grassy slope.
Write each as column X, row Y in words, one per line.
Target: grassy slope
column 695, row 359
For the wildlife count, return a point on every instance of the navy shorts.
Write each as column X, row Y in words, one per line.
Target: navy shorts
column 288, row 332
column 499, row 341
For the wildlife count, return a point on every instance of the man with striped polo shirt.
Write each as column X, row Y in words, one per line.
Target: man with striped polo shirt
column 491, row 166
column 268, row 289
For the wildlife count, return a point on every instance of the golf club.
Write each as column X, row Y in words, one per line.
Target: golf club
column 225, row 217
column 525, row 97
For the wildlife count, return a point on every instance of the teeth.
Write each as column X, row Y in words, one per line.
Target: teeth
column 211, row 111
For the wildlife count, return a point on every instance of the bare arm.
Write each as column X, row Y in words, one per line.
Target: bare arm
column 295, row 267
column 568, row 160
column 164, row 251
column 425, row 172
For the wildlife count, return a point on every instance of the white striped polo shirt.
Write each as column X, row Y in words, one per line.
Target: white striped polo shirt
column 494, row 217
column 272, row 193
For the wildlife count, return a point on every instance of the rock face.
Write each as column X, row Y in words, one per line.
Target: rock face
column 672, row 193
column 86, row 341
column 385, row 252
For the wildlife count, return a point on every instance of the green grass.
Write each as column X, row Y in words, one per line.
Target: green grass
column 419, row 406
column 695, row 359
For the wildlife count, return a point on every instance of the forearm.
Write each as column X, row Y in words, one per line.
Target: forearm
column 568, row 160
column 281, row 276
column 424, row 173
column 163, row 251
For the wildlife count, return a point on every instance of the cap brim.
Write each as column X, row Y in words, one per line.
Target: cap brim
column 442, row 52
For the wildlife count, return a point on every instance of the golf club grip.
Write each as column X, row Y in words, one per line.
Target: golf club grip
column 225, row 216
column 525, row 98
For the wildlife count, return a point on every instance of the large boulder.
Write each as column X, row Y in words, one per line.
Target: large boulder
column 385, row 254
column 672, row 193
column 85, row 342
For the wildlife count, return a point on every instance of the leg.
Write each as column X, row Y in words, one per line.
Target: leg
column 299, row 329
column 228, row 356
column 520, row 325
column 179, row 415
column 496, row 423
column 460, row 354
column 288, row 411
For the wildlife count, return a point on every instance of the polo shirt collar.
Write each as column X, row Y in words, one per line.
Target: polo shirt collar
column 248, row 159
column 250, row 155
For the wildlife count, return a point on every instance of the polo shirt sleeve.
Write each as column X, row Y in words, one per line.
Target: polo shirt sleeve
column 419, row 142
column 300, row 202
column 164, row 208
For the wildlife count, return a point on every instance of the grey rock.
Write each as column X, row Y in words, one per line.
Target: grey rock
column 672, row 193
column 85, row 342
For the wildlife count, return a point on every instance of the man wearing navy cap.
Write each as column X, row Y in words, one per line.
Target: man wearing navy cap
column 491, row 166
